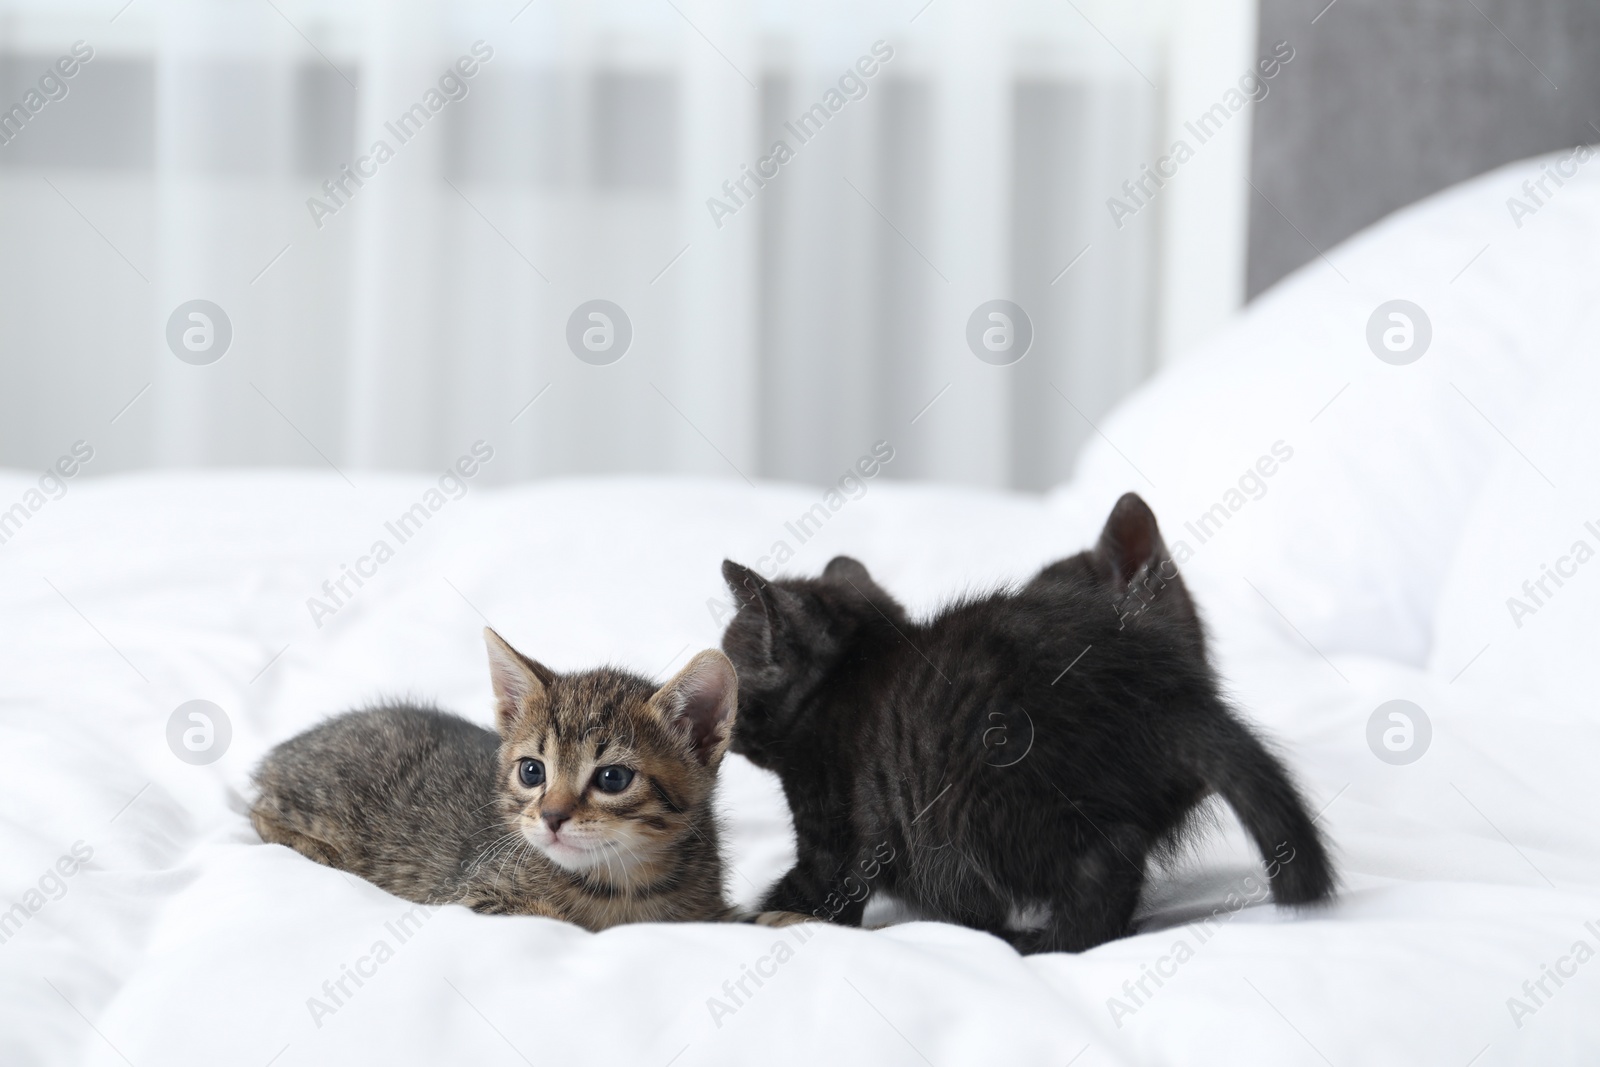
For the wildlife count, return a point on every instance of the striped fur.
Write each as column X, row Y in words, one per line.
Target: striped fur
column 432, row 808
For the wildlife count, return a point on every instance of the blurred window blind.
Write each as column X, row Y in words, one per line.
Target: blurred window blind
column 826, row 311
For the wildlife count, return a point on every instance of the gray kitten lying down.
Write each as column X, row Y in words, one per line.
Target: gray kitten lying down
column 592, row 805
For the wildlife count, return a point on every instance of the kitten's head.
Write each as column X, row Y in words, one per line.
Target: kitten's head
column 787, row 636
column 602, row 771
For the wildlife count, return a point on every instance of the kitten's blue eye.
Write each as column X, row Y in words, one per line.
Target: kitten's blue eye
column 530, row 772
column 613, row 779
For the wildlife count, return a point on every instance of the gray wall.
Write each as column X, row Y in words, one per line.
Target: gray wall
column 1390, row 100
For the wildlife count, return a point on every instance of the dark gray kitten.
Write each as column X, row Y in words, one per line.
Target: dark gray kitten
column 592, row 804
column 1024, row 751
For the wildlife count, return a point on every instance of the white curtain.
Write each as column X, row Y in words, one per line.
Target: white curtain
column 826, row 311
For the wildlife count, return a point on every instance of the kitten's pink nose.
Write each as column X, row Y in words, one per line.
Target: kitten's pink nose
column 555, row 817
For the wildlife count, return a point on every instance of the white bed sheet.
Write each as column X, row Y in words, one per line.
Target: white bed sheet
column 1467, row 873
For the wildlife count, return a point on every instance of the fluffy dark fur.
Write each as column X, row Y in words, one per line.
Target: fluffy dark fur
column 435, row 809
column 1022, row 752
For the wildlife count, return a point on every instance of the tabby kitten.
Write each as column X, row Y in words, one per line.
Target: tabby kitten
column 593, row 805
column 1021, row 753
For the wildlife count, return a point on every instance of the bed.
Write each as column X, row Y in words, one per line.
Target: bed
column 1413, row 502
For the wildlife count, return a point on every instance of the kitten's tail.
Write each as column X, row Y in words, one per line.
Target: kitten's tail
column 1255, row 784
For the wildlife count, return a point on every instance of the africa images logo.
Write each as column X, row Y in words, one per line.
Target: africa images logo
column 199, row 332
column 999, row 332
column 1399, row 732
column 1399, row 332
column 199, row 732
column 599, row 332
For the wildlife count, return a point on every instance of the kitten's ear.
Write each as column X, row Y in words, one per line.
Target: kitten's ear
column 746, row 585
column 700, row 701
column 849, row 571
column 1131, row 540
column 777, row 604
column 518, row 681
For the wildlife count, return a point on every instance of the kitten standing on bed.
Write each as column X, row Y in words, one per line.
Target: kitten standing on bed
column 593, row 804
column 1018, row 753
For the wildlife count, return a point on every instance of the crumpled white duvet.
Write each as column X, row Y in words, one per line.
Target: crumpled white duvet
column 147, row 925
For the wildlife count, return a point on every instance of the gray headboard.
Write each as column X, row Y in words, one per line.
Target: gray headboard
column 1390, row 100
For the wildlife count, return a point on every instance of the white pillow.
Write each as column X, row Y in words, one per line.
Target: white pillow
column 1351, row 535
column 1520, row 607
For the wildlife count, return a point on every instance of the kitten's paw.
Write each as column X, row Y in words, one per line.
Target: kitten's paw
column 780, row 918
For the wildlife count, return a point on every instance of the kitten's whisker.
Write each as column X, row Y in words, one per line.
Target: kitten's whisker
column 475, row 864
column 500, row 869
column 499, row 845
column 637, row 861
column 496, row 801
column 521, row 854
column 610, row 855
column 508, row 850
column 500, row 841
column 609, row 859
